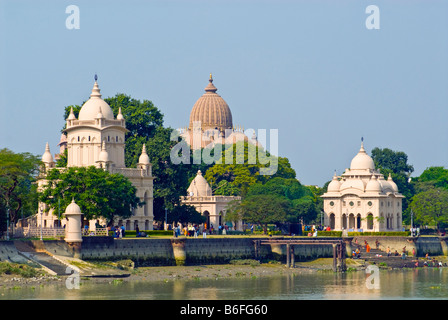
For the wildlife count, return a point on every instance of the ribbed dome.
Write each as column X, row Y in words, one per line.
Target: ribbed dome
column 199, row 187
column 94, row 106
column 73, row 208
column 211, row 110
column 362, row 161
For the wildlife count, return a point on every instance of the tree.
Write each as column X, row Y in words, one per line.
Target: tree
column 432, row 177
column 396, row 164
column 262, row 209
column 431, row 207
column 241, row 171
column 186, row 214
column 302, row 201
column 18, row 172
column 98, row 193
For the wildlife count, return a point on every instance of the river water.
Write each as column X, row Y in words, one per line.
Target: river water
column 421, row 284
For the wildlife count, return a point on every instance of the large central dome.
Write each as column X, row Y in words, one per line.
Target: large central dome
column 211, row 110
column 95, row 106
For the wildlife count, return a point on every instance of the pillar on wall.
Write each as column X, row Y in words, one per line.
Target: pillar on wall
column 348, row 246
column 73, row 235
column 444, row 244
column 412, row 243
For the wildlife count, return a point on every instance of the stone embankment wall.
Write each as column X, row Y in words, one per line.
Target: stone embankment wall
column 190, row 251
column 422, row 245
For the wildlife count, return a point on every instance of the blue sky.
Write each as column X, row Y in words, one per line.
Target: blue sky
column 310, row 69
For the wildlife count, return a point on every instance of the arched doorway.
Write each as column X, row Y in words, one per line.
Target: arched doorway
column 344, row 221
column 332, row 221
column 370, row 221
column 206, row 214
column 351, row 221
column 358, row 221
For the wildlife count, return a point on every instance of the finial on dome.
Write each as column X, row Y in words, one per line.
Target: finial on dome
column 210, row 87
column 96, row 77
column 71, row 116
column 96, row 90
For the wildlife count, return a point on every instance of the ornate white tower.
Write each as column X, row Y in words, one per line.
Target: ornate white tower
column 94, row 130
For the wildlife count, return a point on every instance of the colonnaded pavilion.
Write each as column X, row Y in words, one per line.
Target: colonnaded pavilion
column 361, row 199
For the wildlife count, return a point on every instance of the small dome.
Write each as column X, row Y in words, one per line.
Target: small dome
column 385, row 184
column 144, row 158
column 120, row 115
column 73, row 209
column 211, row 110
column 334, row 185
column 47, row 157
column 199, row 187
column 104, row 155
column 353, row 184
column 362, row 161
column 373, row 185
column 392, row 183
column 94, row 106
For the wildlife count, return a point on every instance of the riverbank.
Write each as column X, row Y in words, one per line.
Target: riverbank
column 113, row 272
column 110, row 273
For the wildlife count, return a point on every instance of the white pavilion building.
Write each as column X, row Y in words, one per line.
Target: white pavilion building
column 361, row 199
column 212, row 207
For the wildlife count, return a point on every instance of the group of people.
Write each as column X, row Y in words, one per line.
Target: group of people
column 119, row 232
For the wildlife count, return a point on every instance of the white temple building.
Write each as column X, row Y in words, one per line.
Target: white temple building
column 97, row 139
column 361, row 199
column 213, row 207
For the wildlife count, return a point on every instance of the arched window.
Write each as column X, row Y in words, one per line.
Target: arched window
column 370, row 221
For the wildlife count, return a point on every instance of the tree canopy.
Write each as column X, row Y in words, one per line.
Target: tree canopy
column 98, row 193
column 18, row 173
column 244, row 169
column 396, row 164
column 430, row 207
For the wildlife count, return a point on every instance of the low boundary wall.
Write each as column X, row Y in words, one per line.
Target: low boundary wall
column 195, row 251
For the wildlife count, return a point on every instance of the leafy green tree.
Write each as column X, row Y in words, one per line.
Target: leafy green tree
column 431, row 207
column 97, row 192
column 301, row 198
column 432, row 177
column 262, row 209
column 396, row 164
column 243, row 171
column 18, row 173
column 186, row 214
